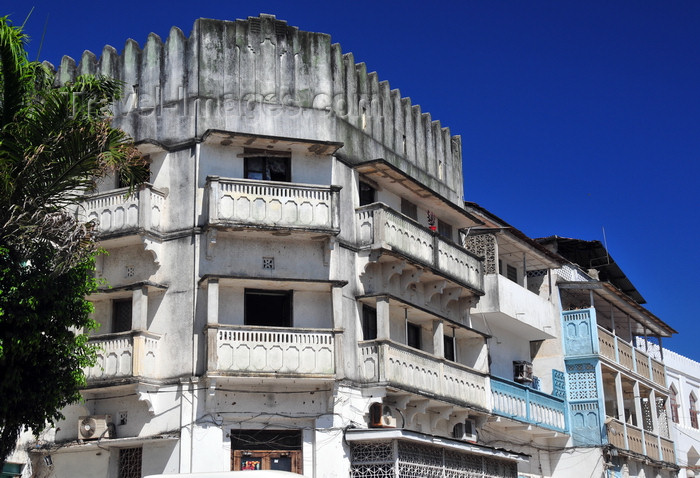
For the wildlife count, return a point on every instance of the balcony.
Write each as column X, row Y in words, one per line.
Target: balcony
column 582, row 336
column 239, row 203
column 117, row 212
column 124, row 355
column 637, row 440
column 252, row 351
column 381, row 228
column 512, row 400
column 516, row 308
column 411, row 369
column 623, row 354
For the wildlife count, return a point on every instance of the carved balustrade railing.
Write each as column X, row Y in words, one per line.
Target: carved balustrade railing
column 117, row 211
column 273, row 205
column 412, row 369
column 517, row 401
column 617, row 350
column 271, row 350
column 637, row 440
column 124, row 355
column 380, row 227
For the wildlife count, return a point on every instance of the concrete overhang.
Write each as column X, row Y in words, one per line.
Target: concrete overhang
column 126, row 289
column 106, row 443
column 386, row 434
column 398, row 182
column 271, row 143
column 318, row 285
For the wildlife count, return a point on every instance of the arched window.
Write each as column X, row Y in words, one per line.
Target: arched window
column 674, row 405
column 693, row 412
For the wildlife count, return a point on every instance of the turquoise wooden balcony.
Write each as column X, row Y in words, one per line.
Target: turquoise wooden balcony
column 512, row 400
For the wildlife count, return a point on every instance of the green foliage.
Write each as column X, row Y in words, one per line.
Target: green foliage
column 55, row 143
column 41, row 356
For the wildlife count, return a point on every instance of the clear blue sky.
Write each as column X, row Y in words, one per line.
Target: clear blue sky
column 574, row 115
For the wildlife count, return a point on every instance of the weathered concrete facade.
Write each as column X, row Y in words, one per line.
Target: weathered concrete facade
column 301, row 285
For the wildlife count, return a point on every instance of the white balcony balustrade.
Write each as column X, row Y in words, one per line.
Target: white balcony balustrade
column 249, row 350
column 124, row 355
column 117, row 212
column 273, row 205
column 411, row 369
column 379, row 227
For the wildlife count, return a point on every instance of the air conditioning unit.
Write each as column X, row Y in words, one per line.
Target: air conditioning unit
column 380, row 416
column 94, row 427
column 465, row 431
column 522, row 372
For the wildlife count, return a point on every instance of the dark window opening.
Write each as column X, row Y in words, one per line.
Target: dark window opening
column 693, row 412
column 268, row 168
column 367, row 194
column 121, row 315
column 512, row 273
column 268, row 308
column 413, row 335
column 445, row 229
column 449, row 348
column 409, row 209
column 369, row 323
column 674, row 408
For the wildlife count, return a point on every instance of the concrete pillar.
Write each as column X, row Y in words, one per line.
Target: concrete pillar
column 383, row 320
column 638, row 406
column 619, row 397
column 213, row 301
column 612, row 319
column 139, row 308
column 654, row 417
column 438, row 339
column 337, row 305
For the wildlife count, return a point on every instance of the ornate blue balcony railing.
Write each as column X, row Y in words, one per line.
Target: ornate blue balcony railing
column 513, row 400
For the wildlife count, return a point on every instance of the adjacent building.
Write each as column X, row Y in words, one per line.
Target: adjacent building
column 301, row 287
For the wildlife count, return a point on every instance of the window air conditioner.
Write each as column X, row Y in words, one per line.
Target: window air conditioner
column 465, row 431
column 95, row 427
column 522, row 372
column 380, row 416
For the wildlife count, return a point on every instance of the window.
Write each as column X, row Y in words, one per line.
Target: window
column 130, row 462
column 445, row 229
column 409, row 209
column 268, row 308
column 674, row 407
column 367, row 194
column 369, row 323
column 121, row 315
column 266, row 450
column 449, row 347
column 693, row 412
column 413, row 333
column 512, row 273
column 269, row 168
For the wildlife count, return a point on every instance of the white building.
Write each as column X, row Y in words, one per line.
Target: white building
column 683, row 375
column 301, row 287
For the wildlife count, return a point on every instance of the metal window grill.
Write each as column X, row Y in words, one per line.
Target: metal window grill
column 130, row 462
column 382, row 460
